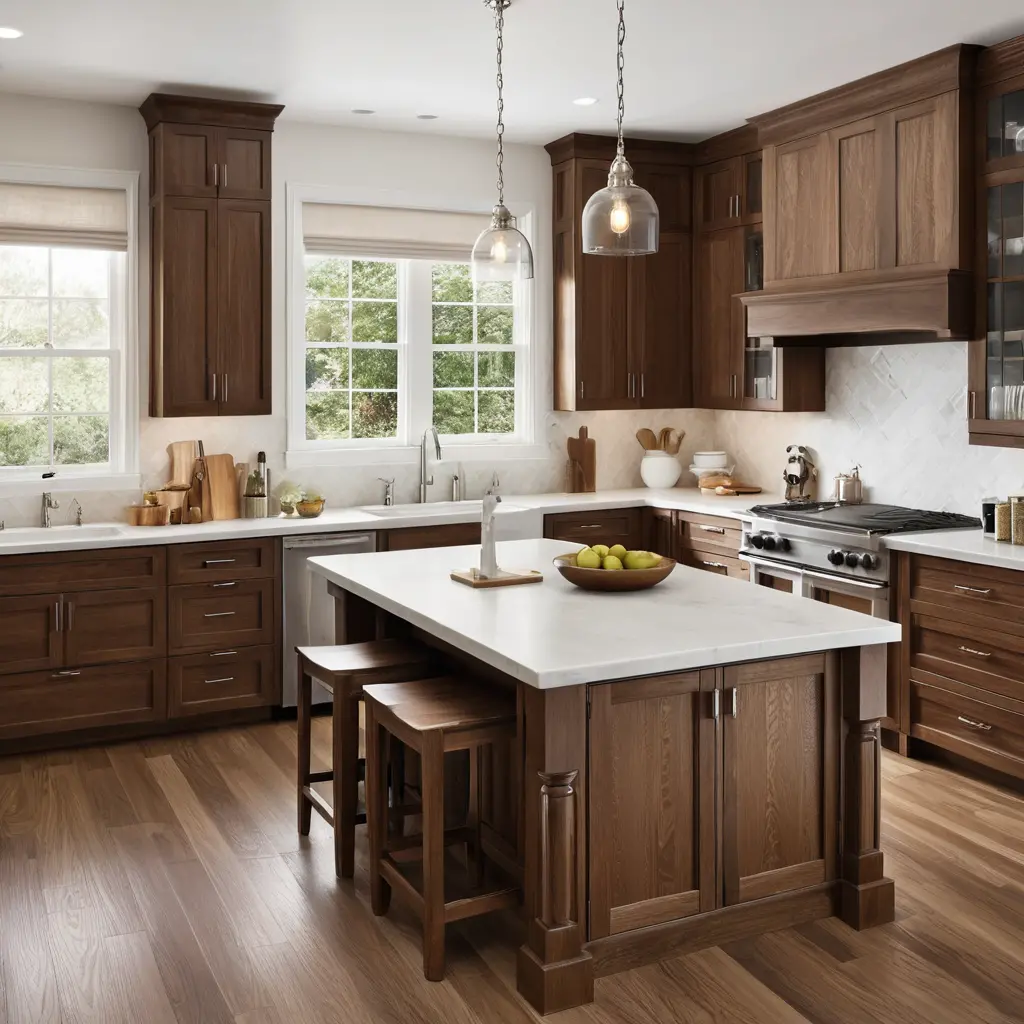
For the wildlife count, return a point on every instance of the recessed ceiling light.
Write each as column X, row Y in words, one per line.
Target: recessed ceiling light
column 585, row 101
column 426, row 117
column 360, row 110
column 11, row 33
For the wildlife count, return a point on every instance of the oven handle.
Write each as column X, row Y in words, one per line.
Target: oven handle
column 795, row 570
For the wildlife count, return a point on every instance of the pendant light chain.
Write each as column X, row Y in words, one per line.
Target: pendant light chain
column 620, row 64
column 499, row 17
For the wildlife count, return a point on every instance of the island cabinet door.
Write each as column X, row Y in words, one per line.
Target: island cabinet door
column 780, row 776
column 652, row 794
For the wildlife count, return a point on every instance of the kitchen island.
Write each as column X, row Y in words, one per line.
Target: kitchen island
column 694, row 763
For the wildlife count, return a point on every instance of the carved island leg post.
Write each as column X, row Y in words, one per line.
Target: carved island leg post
column 553, row 972
column 867, row 897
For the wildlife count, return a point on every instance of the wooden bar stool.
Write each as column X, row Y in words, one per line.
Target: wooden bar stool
column 344, row 670
column 433, row 716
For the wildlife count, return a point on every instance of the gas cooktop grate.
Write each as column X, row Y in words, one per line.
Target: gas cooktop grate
column 865, row 518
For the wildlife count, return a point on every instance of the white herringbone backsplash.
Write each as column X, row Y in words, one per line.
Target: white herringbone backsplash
column 898, row 411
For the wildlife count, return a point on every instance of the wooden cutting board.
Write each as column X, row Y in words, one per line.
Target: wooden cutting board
column 220, row 489
column 183, row 458
column 583, row 463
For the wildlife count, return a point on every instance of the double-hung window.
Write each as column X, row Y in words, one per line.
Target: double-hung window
column 63, row 329
column 394, row 335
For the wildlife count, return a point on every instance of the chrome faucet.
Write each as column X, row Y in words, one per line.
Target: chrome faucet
column 389, row 489
column 76, row 508
column 488, row 559
column 48, row 505
column 426, row 481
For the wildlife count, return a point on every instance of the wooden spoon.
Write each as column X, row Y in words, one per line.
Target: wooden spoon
column 671, row 445
column 664, row 438
column 648, row 440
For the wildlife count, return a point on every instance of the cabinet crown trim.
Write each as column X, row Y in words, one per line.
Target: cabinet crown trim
column 1001, row 61
column 943, row 71
column 739, row 141
column 580, row 146
column 161, row 106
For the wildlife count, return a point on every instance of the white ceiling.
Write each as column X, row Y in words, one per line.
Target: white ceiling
column 693, row 67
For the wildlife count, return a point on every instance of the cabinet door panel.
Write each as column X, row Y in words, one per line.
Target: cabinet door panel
column 781, row 750
column 29, row 638
column 858, row 151
column 413, row 537
column 661, row 537
column 221, row 615
column 718, row 344
column 189, row 152
column 185, row 307
column 651, row 803
column 602, row 343
column 608, row 526
column 243, row 307
column 245, row 164
column 202, row 683
column 670, row 189
column 106, row 626
column 719, row 187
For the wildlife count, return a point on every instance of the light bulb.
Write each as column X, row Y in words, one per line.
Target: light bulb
column 620, row 217
column 499, row 251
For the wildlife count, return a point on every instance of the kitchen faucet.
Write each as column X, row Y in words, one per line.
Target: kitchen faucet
column 426, row 481
column 48, row 505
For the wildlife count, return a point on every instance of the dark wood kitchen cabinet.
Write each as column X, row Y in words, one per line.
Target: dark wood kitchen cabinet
column 211, row 256
column 622, row 325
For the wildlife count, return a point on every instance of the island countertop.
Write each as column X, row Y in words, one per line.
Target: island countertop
column 553, row 634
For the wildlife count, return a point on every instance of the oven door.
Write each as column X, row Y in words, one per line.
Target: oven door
column 866, row 596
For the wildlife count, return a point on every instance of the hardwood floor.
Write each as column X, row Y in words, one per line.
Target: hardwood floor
column 164, row 882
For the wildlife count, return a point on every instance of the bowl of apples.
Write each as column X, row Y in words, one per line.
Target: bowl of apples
column 600, row 567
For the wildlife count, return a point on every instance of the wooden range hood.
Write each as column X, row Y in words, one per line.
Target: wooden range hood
column 869, row 209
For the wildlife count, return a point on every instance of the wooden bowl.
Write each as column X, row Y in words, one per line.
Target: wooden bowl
column 149, row 515
column 618, row 580
column 309, row 509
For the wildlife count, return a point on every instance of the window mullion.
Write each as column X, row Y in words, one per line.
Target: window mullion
column 419, row 348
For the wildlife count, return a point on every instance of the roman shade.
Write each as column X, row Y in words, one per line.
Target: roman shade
column 86, row 218
column 393, row 232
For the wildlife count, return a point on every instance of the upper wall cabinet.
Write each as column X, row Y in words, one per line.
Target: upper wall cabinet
column 621, row 325
column 868, row 198
column 211, row 256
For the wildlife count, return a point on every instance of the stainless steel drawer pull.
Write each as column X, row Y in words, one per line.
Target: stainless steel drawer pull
column 222, row 654
column 592, row 526
column 715, row 565
column 711, row 529
column 716, row 704
column 735, row 710
column 216, row 615
column 232, row 584
column 65, row 673
column 218, row 561
column 223, row 679
column 71, row 615
column 970, row 590
column 973, row 724
column 58, row 605
column 977, row 654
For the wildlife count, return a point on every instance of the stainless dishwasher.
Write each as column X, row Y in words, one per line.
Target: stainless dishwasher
column 308, row 608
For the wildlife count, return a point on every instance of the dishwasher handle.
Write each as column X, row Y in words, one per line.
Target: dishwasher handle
column 361, row 541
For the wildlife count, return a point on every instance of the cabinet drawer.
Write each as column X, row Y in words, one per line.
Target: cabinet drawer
column 223, row 560
column 971, row 594
column 983, row 658
column 36, row 703
column 201, row 683
column 212, row 616
column 709, row 533
column 445, row 536
column 609, row 526
column 993, row 736
column 114, row 625
column 29, row 638
column 709, row 561
column 81, row 570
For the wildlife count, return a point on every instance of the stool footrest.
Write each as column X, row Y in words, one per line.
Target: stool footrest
column 319, row 804
column 452, row 837
column 319, row 777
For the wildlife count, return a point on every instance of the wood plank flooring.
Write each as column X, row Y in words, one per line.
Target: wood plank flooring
column 163, row 882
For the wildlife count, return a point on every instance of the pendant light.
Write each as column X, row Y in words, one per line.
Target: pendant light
column 622, row 219
column 502, row 252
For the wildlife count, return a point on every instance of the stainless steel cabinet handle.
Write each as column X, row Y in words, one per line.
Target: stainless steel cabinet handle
column 57, row 615
column 974, row 405
column 977, row 654
column 225, row 175
column 735, row 709
column 222, row 654
column 66, row 673
column 216, row 174
column 711, row 529
column 970, row 590
column 223, row 679
column 218, row 561
column 715, row 565
column 216, row 615
column 643, row 385
column 224, row 389
column 581, row 389
column 591, row 526
column 716, row 704
column 71, row 615
column 213, row 378
column 233, row 583
column 973, row 724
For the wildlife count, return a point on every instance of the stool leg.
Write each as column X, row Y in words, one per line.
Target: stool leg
column 376, row 808
column 305, row 700
column 346, row 780
column 476, row 797
column 432, row 758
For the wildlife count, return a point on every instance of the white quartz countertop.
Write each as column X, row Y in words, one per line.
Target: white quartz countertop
column 962, row 546
column 553, row 634
column 27, row 540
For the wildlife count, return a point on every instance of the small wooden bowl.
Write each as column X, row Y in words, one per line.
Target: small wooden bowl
column 149, row 515
column 618, row 580
column 309, row 509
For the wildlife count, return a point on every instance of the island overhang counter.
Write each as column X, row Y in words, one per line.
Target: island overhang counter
column 694, row 763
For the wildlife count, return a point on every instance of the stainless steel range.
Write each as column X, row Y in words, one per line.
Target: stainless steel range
column 821, row 548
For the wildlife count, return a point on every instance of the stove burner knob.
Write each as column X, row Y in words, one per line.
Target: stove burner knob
column 757, row 540
column 837, row 557
column 868, row 561
column 852, row 559
column 769, row 543
column 784, row 544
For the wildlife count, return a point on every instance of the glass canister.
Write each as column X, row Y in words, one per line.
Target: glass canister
column 1017, row 518
column 1004, row 531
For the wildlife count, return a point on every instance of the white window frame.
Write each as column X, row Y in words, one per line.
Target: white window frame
column 122, row 471
column 415, row 350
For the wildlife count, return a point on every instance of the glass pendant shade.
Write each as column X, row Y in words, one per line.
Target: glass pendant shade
column 622, row 219
column 502, row 252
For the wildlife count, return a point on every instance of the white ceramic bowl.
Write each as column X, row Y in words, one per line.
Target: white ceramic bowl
column 711, row 460
column 660, row 469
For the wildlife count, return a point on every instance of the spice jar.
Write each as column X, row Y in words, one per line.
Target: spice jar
column 1003, row 528
column 1017, row 518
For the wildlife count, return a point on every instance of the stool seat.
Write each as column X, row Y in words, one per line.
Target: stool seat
column 343, row 670
column 432, row 717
